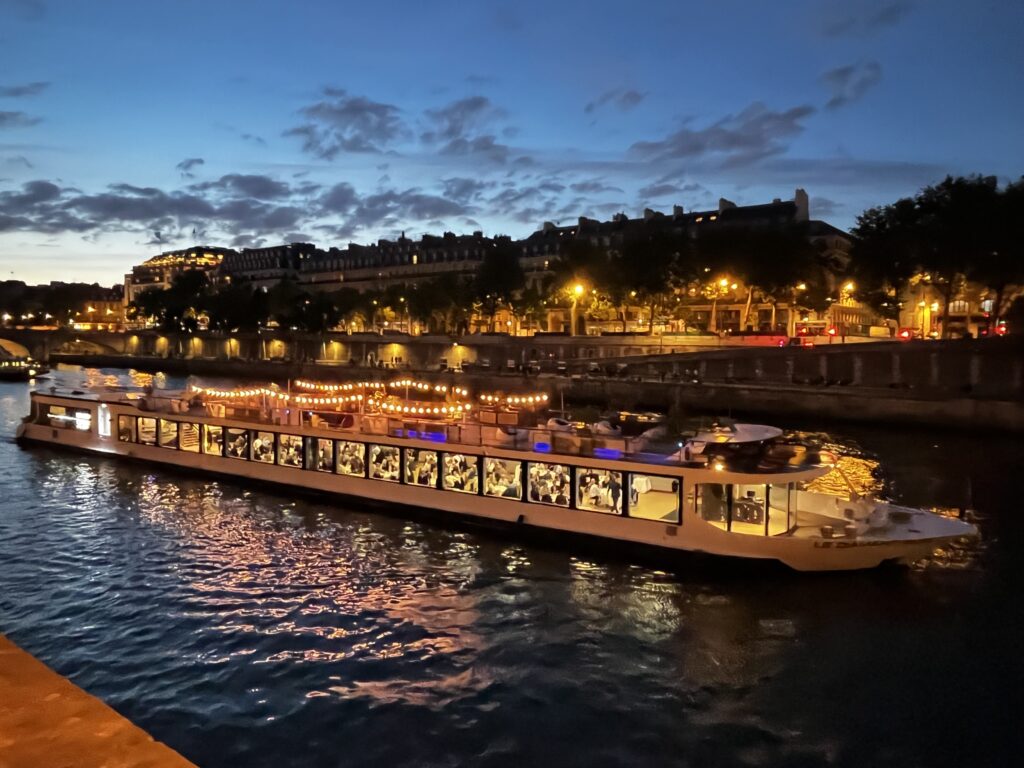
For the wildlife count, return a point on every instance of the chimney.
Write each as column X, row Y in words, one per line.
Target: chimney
column 803, row 205
column 677, row 211
column 776, row 200
column 548, row 227
column 724, row 205
column 620, row 218
column 648, row 214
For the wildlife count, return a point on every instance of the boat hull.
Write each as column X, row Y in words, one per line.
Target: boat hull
column 692, row 535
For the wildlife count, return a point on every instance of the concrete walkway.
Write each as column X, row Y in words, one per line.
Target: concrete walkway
column 45, row 720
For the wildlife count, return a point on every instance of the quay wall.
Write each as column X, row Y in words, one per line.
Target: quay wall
column 47, row 720
column 962, row 385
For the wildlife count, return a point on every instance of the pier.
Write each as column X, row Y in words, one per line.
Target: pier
column 45, row 720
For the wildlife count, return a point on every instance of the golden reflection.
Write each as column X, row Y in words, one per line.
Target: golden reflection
column 354, row 590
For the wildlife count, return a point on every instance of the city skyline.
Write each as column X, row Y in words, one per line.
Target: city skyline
column 129, row 131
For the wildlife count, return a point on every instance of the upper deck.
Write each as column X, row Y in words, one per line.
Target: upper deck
column 507, row 423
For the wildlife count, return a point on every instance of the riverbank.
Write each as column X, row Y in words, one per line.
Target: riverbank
column 848, row 403
column 47, row 720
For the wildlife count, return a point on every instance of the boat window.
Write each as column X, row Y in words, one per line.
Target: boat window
column 263, row 447
column 168, row 436
column 188, row 438
column 654, row 497
column 461, row 473
column 126, row 429
column 69, row 418
column 324, row 455
column 384, row 462
column 213, row 439
column 421, row 467
column 351, row 458
column 756, row 509
column 549, row 483
column 599, row 490
column 236, row 443
column 289, row 450
column 104, row 421
column 503, row 477
column 713, row 502
column 147, row 430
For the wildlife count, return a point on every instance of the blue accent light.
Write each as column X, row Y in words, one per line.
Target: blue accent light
column 542, row 447
column 607, row 453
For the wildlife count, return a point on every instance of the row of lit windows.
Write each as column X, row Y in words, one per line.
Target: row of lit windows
column 648, row 497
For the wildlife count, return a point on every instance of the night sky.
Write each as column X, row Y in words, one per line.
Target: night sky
column 129, row 128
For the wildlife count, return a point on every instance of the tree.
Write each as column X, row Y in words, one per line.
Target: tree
column 648, row 266
column 499, row 278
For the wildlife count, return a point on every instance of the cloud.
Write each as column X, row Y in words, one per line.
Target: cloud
column 18, row 161
column 460, row 129
column 487, row 147
column 247, row 185
column 867, row 19
column 341, row 198
column 848, row 84
column 460, row 118
column 823, row 207
column 624, row 99
column 343, row 123
column 593, row 186
column 393, row 206
column 186, row 166
column 17, row 120
column 27, row 89
column 463, row 190
column 755, row 133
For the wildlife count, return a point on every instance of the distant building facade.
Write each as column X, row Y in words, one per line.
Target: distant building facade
column 159, row 272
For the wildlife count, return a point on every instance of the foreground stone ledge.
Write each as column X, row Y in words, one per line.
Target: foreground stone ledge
column 45, row 720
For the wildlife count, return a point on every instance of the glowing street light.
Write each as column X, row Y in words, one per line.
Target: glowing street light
column 576, row 291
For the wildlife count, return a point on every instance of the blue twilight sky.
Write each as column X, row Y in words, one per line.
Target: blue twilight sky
column 128, row 128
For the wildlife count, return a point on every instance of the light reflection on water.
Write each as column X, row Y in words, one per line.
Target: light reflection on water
column 244, row 627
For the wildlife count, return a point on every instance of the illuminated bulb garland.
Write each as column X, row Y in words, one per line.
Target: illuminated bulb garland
column 515, row 400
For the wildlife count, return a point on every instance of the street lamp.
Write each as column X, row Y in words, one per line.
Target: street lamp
column 576, row 292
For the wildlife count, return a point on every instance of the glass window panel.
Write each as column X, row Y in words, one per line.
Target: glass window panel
column 421, row 467
column 168, row 437
column 461, row 473
column 748, row 504
column 652, row 497
column 324, row 454
column 503, row 477
column 59, row 417
column 384, row 463
column 712, row 502
column 188, row 437
column 126, row 429
column 147, row 430
column 549, row 483
column 289, row 450
column 263, row 447
column 351, row 458
column 213, row 439
column 599, row 490
column 236, row 443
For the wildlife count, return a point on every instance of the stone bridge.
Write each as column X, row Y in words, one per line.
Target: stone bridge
column 40, row 344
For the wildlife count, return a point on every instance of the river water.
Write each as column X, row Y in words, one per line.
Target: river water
column 243, row 627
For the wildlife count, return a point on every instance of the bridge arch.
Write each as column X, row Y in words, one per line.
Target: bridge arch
column 14, row 348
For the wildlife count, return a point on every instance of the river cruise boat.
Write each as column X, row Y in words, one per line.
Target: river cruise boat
column 428, row 446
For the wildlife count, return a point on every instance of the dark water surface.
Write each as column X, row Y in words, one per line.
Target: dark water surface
column 246, row 628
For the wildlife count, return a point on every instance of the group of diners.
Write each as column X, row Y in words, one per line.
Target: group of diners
column 384, row 462
column 599, row 490
column 461, row 473
column 651, row 497
column 421, row 467
column 549, row 483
